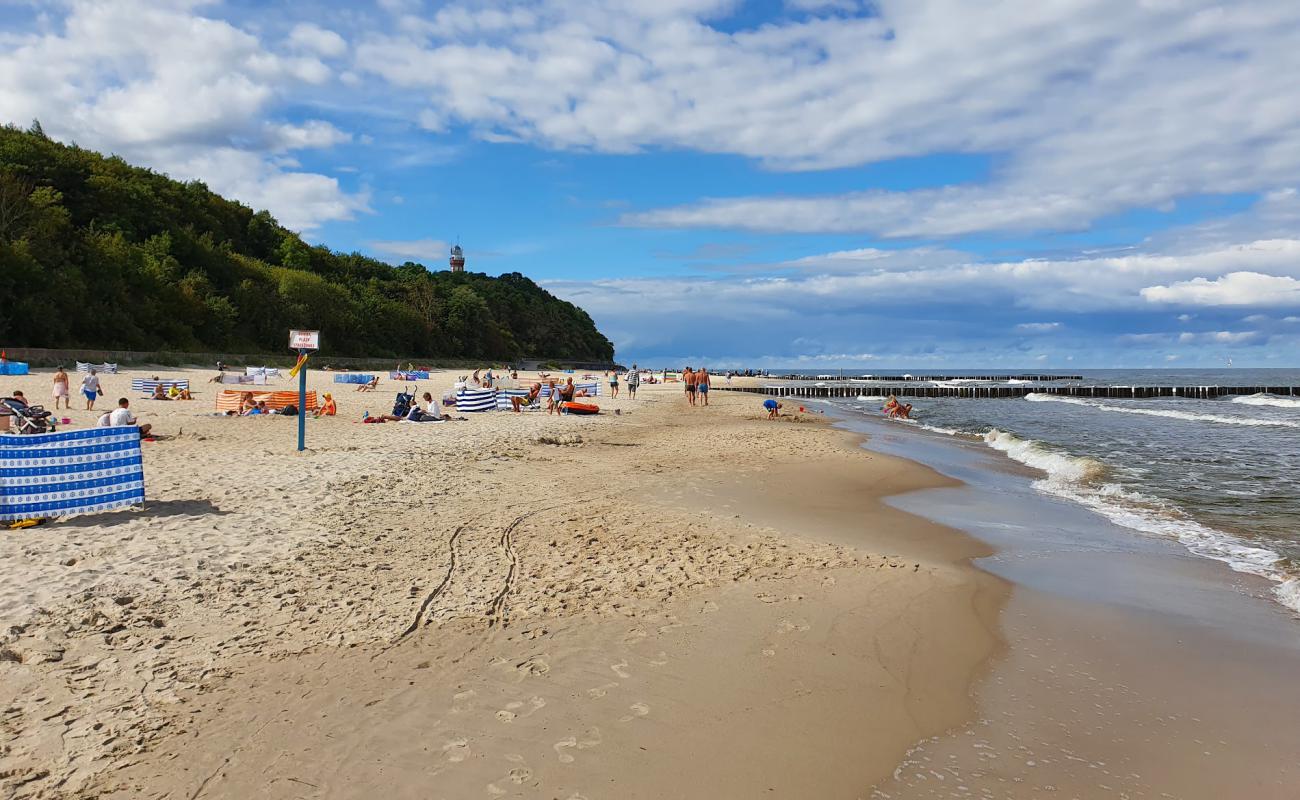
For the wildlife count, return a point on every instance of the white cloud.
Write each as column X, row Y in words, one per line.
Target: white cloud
column 189, row 95
column 315, row 39
column 1089, row 108
column 430, row 252
column 1233, row 289
column 1038, row 327
column 313, row 133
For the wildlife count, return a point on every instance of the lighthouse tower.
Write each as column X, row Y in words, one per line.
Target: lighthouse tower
column 457, row 259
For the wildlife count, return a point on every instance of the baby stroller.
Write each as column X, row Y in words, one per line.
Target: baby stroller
column 25, row 418
column 402, row 406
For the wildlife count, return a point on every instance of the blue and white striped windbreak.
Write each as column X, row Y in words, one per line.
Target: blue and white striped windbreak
column 77, row 472
column 476, row 400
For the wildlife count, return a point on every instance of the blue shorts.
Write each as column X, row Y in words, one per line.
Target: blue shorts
column 704, row 388
column 89, row 394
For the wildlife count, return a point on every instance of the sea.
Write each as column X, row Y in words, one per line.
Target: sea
column 1221, row 477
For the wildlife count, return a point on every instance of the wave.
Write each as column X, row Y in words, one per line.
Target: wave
column 1189, row 416
column 1060, row 467
column 1081, row 480
column 1268, row 400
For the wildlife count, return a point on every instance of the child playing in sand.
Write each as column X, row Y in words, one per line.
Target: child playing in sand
column 773, row 408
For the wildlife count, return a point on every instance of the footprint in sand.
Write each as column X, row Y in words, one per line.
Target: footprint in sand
column 620, row 669
column 600, row 691
column 709, row 607
column 562, row 747
column 456, row 750
column 634, row 635
column 787, row 626
column 511, row 712
column 638, row 710
column 660, row 660
column 536, row 665
column 517, row 776
column 460, row 701
column 672, row 623
column 769, row 652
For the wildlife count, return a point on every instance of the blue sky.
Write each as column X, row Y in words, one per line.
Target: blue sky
column 905, row 183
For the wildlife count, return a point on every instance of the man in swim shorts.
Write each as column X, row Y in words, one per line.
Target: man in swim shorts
column 633, row 381
column 90, row 388
column 688, row 378
column 702, row 385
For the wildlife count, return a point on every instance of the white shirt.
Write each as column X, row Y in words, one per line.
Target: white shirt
column 90, row 383
column 104, row 420
column 121, row 416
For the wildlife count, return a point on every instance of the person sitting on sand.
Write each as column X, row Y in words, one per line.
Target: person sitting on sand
column 122, row 416
column 177, row 393
column 327, row 408
column 431, row 407
column 258, row 408
column 159, row 393
column 369, row 386
column 518, row 403
column 246, row 402
column 773, row 408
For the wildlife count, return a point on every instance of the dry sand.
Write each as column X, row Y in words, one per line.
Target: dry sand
column 653, row 608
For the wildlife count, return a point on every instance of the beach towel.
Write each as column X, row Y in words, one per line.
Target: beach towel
column 13, row 367
column 411, row 375
column 52, row 475
column 353, row 377
column 228, row 399
column 104, row 369
column 148, row 386
column 269, row 372
column 233, row 377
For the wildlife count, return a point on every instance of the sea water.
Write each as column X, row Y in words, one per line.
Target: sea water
column 1221, row 477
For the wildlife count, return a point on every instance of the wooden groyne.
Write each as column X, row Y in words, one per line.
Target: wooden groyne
column 904, row 378
column 999, row 392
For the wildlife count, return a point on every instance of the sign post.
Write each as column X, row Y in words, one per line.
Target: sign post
column 305, row 342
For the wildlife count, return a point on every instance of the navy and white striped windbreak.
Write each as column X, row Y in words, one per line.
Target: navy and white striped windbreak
column 76, row 472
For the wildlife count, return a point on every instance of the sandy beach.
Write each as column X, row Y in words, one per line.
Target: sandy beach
column 467, row 609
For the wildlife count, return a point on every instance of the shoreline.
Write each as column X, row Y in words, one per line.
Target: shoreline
column 617, row 622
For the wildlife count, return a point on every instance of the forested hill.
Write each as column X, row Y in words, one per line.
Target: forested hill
column 99, row 254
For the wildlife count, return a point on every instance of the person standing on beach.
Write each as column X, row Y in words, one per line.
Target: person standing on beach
column 613, row 383
column 90, row 388
column 633, row 381
column 61, row 390
column 702, row 385
column 688, row 378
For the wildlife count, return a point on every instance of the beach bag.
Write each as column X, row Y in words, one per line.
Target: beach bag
column 289, row 411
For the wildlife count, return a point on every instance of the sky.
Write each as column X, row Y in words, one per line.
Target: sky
column 754, row 183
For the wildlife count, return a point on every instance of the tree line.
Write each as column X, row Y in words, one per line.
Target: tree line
column 97, row 253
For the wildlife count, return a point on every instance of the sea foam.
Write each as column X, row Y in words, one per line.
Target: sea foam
column 1082, row 480
column 1168, row 413
column 1268, row 400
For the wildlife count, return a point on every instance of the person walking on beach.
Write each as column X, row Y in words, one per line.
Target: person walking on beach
column 90, row 388
column 613, row 383
column 61, row 390
column 688, row 378
column 702, row 385
column 633, row 381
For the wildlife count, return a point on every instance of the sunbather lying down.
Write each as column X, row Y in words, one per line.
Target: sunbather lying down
column 368, row 386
